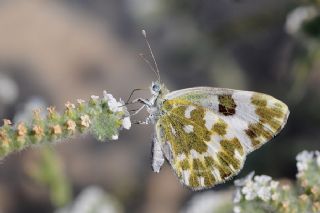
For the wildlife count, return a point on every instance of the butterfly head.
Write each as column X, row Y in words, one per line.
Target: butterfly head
column 158, row 89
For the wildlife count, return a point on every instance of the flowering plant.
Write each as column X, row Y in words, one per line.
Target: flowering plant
column 103, row 117
column 262, row 194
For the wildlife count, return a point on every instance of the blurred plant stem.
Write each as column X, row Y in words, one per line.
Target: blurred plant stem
column 49, row 172
column 302, row 68
column 303, row 24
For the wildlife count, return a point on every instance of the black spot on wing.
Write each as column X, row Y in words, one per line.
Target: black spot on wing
column 227, row 106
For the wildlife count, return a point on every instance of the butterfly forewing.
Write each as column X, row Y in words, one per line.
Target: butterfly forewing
column 254, row 117
column 206, row 132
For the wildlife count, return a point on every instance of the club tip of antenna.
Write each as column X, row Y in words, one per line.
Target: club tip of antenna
column 144, row 33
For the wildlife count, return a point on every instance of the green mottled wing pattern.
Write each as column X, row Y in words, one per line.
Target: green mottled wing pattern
column 206, row 133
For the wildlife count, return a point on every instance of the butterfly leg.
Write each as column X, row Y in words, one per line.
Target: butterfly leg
column 142, row 101
column 131, row 94
column 137, row 111
column 157, row 155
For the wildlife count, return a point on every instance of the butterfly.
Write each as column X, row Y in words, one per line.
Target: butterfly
column 205, row 133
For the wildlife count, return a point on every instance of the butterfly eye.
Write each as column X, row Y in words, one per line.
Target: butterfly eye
column 156, row 87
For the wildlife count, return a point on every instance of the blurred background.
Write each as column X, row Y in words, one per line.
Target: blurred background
column 52, row 52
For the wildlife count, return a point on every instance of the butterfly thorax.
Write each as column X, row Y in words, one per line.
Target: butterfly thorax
column 156, row 101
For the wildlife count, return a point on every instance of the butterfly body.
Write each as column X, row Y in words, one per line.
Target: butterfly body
column 205, row 133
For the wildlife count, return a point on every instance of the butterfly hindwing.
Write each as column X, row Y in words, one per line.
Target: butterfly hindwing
column 196, row 145
column 206, row 133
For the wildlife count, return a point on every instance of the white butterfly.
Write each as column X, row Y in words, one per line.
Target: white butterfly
column 205, row 133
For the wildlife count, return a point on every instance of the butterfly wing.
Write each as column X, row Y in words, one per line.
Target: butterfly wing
column 254, row 117
column 206, row 133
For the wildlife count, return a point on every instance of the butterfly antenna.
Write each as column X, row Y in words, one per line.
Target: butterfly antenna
column 142, row 56
column 152, row 55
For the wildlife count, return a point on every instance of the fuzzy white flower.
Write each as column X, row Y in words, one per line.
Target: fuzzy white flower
column 249, row 191
column 95, row 97
column 304, row 156
column 262, row 179
column 126, row 123
column 208, row 202
column 245, row 180
column 263, row 187
column 303, row 159
column 237, row 209
column 302, row 166
column 93, row 199
column 246, row 186
column 80, row 101
column 298, row 16
column 260, row 187
column 113, row 104
column 115, row 137
column 264, row 193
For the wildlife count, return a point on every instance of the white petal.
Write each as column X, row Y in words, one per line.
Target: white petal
column 263, row 179
column 126, row 123
column 94, row 97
